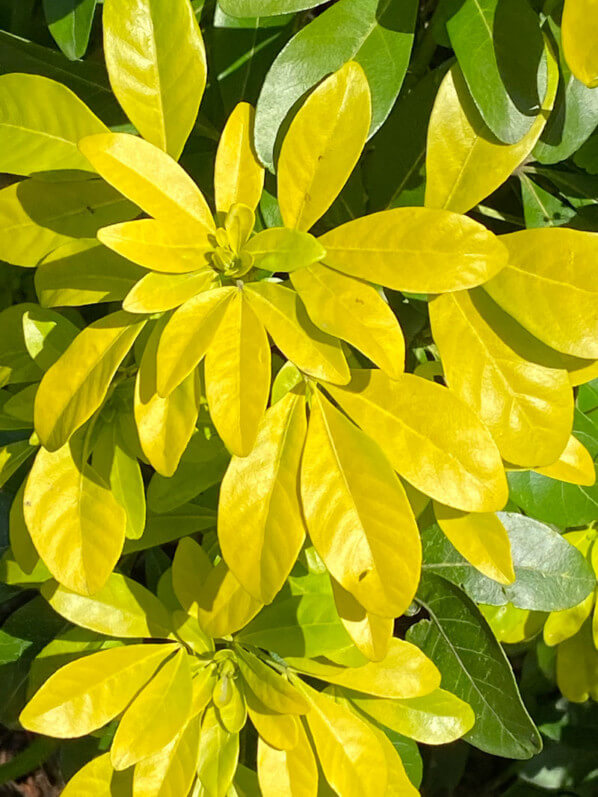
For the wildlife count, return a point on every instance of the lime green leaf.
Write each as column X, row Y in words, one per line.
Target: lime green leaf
column 580, row 31
column 464, row 161
column 188, row 335
column 156, row 715
column 260, row 523
column 345, row 481
column 218, row 755
column 16, row 364
column 148, row 177
column 430, row 437
column 75, row 522
column 577, row 667
column 172, row 525
column 47, row 336
column 98, row 777
column 437, row 718
column 284, row 316
column 170, row 773
column 84, row 272
column 165, row 425
column 12, row 456
column 38, row 216
column 527, row 406
column 271, row 688
column 322, row 146
column 371, row 634
column 238, row 372
column 77, row 384
column 86, row 694
column 69, row 22
column 21, row 544
column 159, row 86
column 41, row 122
column 238, row 175
column 416, row 249
column 121, row 608
column 292, row 771
column 354, row 311
column 265, row 8
column 535, row 287
column 280, row 249
column 156, row 293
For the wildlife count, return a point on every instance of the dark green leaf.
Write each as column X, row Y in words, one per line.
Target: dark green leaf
column 541, row 208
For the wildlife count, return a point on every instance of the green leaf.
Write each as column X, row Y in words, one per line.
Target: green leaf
column 551, row 574
column 541, row 208
column 16, row 364
column 47, row 336
column 552, row 501
column 11, row 647
column 508, row 91
column 172, row 525
column 265, row 8
column 12, row 456
column 70, row 23
column 376, row 33
column 160, row 87
column 474, row 667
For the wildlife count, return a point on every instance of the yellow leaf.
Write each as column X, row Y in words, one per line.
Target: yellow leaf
column 98, row 779
column 187, row 336
column 218, row 756
column 157, row 293
column 370, row 634
column 149, row 178
column 271, row 688
column 280, row 731
column 155, row 717
column 211, row 594
column 283, row 314
column 260, row 522
column 404, row 672
column 41, row 122
column 416, row 249
column 322, row 145
column 580, row 370
column 357, row 513
column 350, row 755
column 437, row 718
column 84, row 272
column 287, row 773
column 511, row 624
column 354, row 311
column 122, row 608
column 430, row 437
column 563, row 625
column 237, row 372
column 77, row 384
column 164, row 247
column 551, row 287
column 233, row 714
column 494, row 365
column 481, row 539
column 170, row 773
column 575, row 465
column 281, row 249
column 398, row 783
column 465, row 162
column 580, row 40
column 577, row 667
column 75, row 523
column 238, row 175
column 87, row 693
column 38, row 216
column 165, row 425
column 159, row 86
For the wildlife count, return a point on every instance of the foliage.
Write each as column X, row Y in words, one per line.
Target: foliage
column 298, row 408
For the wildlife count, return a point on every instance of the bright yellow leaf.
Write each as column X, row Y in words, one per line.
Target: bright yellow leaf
column 238, row 175
column 357, row 513
column 577, row 667
column 481, row 539
column 283, row 314
column 465, row 162
column 260, row 522
column 281, row 249
column 580, row 39
column 575, row 465
column 158, row 85
column 148, row 177
column 156, row 715
column 551, row 287
column 404, row 672
column 287, row 773
column 98, row 779
column 398, row 783
column 165, row 247
column 494, row 365
column 430, row 437
column 511, row 624
column 87, row 693
column 170, row 773
column 280, row 731
column 75, row 522
column 322, row 146
column 563, row 625
column 271, row 688
column 370, row 634
column 354, row 311
column 165, row 425
column 77, row 384
column 156, row 293
column 238, row 373
column 416, row 249
column 187, row 336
